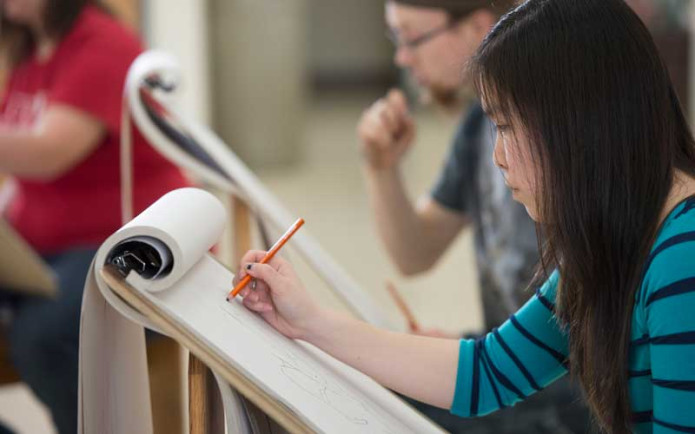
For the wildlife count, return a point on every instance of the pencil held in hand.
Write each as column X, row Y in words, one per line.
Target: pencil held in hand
column 412, row 322
column 273, row 250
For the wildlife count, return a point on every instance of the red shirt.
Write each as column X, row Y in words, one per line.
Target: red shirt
column 87, row 71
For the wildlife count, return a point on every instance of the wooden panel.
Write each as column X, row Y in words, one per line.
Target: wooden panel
column 198, row 399
column 166, row 384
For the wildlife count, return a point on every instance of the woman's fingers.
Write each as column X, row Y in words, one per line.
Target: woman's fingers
column 259, row 299
column 253, row 256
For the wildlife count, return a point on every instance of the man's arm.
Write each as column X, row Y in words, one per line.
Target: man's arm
column 415, row 236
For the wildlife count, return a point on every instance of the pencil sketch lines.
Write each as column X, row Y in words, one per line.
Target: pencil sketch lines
column 308, row 375
column 320, row 388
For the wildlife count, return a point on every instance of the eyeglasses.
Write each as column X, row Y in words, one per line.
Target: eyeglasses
column 414, row 43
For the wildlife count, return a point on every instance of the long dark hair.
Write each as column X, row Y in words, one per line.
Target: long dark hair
column 585, row 81
column 58, row 18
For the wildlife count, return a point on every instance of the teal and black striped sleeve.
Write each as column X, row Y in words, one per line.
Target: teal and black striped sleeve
column 526, row 353
column 666, row 308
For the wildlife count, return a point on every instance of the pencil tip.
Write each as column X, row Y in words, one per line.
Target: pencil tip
column 227, row 298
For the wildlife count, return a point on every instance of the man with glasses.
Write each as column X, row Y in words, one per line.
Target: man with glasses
column 434, row 39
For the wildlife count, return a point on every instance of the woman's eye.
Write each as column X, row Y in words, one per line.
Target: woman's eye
column 502, row 131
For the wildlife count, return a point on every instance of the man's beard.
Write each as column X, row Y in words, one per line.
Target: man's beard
column 446, row 98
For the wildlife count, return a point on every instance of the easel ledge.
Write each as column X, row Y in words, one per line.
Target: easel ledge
column 280, row 413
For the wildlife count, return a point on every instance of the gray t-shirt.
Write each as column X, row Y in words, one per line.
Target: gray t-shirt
column 505, row 236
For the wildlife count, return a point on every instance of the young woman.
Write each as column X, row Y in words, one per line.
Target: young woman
column 593, row 142
column 59, row 137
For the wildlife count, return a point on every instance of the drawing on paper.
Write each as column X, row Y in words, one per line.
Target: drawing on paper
column 309, row 377
column 319, row 387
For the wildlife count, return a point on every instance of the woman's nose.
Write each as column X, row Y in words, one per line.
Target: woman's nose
column 498, row 154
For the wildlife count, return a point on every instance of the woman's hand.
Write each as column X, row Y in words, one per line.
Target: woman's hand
column 279, row 296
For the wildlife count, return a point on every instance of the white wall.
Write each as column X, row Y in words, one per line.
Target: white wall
column 259, row 78
column 180, row 28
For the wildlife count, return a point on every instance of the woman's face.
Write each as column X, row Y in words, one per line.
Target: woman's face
column 26, row 12
column 513, row 156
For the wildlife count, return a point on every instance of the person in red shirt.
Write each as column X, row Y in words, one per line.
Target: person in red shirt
column 59, row 138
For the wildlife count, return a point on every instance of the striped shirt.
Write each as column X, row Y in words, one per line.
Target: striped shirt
column 529, row 351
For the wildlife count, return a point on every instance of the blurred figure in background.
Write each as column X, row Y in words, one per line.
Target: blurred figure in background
column 59, row 137
column 434, row 39
column 669, row 23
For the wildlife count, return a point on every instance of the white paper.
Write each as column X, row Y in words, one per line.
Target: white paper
column 113, row 379
column 113, row 385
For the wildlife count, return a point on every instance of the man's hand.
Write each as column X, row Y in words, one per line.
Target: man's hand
column 386, row 131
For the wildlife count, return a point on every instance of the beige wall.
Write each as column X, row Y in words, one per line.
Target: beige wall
column 259, row 78
column 346, row 39
column 180, row 28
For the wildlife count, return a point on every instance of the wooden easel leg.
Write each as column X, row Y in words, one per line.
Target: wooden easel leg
column 198, row 407
column 166, row 384
column 205, row 407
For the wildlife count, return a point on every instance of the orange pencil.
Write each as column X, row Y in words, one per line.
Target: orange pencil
column 268, row 256
column 412, row 322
